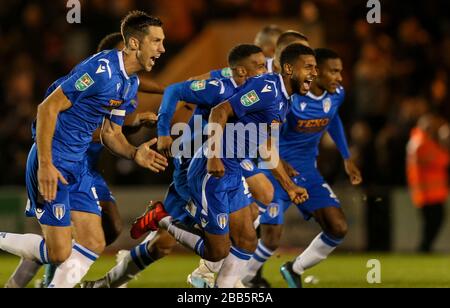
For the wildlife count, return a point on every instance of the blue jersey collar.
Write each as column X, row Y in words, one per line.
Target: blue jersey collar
column 121, row 64
column 317, row 98
column 283, row 87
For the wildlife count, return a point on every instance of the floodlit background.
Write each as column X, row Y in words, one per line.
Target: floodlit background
column 395, row 73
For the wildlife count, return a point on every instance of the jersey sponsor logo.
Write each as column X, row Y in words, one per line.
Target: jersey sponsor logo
column 39, row 213
column 198, row 85
column 247, row 165
column 226, row 72
column 84, row 82
column 327, row 105
column 115, row 103
column 273, row 210
column 59, row 210
column 249, row 99
column 267, row 89
column 222, row 221
column 312, row 125
column 303, row 106
column 214, row 83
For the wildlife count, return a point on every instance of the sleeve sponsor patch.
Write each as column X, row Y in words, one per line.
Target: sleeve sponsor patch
column 84, row 82
column 250, row 98
column 198, row 85
column 226, row 72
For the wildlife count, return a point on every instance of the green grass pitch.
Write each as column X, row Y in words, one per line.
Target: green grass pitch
column 339, row 271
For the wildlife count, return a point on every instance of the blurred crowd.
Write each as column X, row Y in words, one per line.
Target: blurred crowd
column 395, row 72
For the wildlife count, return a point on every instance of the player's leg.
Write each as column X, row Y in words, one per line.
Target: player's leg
column 87, row 233
column 244, row 241
column 324, row 206
column 112, row 227
column 271, row 231
column 262, row 192
column 55, row 245
column 24, row 273
column 156, row 246
column 111, row 220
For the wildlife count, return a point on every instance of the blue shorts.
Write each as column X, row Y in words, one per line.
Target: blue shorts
column 320, row 196
column 175, row 205
column 79, row 195
column 104, row 194
column 249, row 168
column 213, row 199
column 180, row 177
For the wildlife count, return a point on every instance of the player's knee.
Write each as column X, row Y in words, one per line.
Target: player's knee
column 164, row 247
column 271, row 236
column 96, row 245
column 264, row 193
column 60, row 255
column 247, row 241
column 218, row 254
column 339, row 229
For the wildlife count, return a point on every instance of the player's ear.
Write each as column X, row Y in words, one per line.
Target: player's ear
column 288, row 69
column 241, row 71
column 133, row 43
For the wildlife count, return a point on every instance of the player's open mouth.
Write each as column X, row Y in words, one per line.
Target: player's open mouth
column 153, row 60
column 307, row 84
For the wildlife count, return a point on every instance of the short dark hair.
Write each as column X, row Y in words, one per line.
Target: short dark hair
column 291, row 53
column 267, row 31
column 136, row 24
column 290, row 36
column 110, row 41
column 241, row 52
column 323, row 54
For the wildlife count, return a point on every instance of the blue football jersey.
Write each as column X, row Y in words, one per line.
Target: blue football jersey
column 98, row 87
column 261, row 100
column 221, row 73
column 310, row 116
column 204, row 93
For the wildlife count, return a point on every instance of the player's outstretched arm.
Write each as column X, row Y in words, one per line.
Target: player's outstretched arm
column 337, row 133
column 147, row 85
column 47, row 115
column 114, row 140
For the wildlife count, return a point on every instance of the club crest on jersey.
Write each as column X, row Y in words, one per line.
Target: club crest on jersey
column 249, row 99
column 247, row 165
column 84, row 82
column 59, row 210
column 327, row 105
column 198, row 85
column 273, row 210
column 115, row 103
column 222, row 221
column 226, row 72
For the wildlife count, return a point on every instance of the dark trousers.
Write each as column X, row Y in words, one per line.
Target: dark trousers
column 433, row 218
